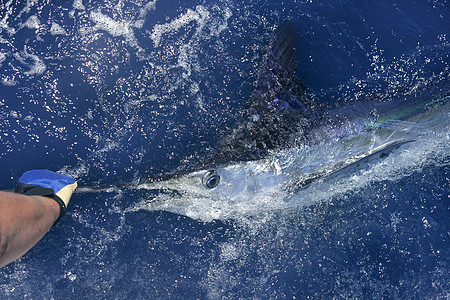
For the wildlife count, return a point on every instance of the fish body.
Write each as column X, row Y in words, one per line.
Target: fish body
column 286, row 143
column 301, row 175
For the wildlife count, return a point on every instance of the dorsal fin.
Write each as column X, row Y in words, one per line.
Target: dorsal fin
column 276, row 76
column 277, row 105
column 283, row 47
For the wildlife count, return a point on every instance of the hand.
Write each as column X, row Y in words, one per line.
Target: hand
column 49, row 184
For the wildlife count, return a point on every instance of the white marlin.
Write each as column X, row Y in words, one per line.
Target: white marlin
column 287, row 143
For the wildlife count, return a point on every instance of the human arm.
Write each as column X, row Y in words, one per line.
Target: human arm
column 24, row 220
column 40, row 200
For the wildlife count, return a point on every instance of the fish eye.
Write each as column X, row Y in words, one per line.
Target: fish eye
column 211, row 179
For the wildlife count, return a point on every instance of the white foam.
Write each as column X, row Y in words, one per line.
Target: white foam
column 115, row 28
column 204, row 23
column 8, row 82
column 38, row 66
column 8, row 11
column 199, row 15
column 56, row 29
column 27, row 8
column 32, row 22
column 148, row 7
column 77, row 5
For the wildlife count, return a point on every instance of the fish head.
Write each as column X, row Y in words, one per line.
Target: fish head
column 218, row 193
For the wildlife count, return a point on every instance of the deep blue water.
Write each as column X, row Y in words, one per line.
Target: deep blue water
column 104, row 93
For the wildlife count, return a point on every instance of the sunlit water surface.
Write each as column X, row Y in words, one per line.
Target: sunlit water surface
column 114, row 91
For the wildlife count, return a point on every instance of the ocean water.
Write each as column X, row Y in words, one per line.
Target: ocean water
column 111, row 92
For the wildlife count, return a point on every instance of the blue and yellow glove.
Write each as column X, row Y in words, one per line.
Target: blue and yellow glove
column 45, row 183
